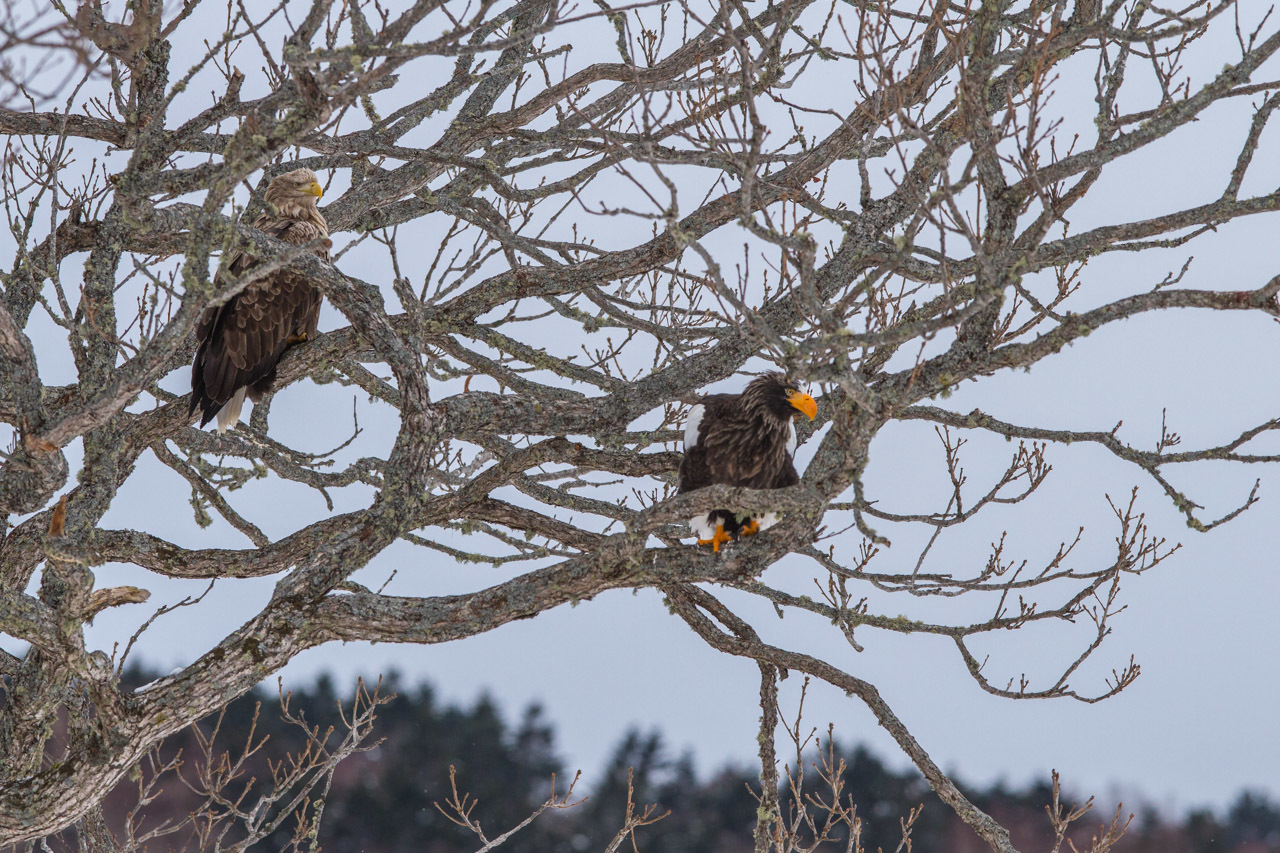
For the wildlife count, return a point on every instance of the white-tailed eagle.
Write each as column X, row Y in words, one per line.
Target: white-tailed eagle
column 745, row 440
column 241, row 341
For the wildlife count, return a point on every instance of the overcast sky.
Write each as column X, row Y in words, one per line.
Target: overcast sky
column 1197, row 726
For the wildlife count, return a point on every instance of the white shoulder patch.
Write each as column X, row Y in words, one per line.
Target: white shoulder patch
column 791, row 440
column 692, row 425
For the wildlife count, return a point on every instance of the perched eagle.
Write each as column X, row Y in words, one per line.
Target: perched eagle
column 241, row 341
column 747, row 440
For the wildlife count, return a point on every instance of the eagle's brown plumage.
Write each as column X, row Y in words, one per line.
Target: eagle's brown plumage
column 241, row 341
column 745, row 440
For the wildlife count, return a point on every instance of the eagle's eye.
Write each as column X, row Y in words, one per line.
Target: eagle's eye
column 802, row 402
column 310, row 186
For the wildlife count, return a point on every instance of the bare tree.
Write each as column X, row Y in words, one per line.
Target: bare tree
column 554, row 224
column 232, row 811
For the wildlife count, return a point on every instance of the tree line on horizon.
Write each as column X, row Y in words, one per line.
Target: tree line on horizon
column 393, row 797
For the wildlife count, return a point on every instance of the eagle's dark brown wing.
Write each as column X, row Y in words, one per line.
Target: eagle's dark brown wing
column 241, row 341
column 696, row 469
column 726, row 447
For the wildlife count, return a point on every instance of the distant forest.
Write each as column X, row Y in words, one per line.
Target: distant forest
column 383, row 800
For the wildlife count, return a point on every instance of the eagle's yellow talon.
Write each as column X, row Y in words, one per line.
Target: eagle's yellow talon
column 751, row 528
column 717, row 539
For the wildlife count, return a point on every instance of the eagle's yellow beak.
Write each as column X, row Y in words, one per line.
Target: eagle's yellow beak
column 804, row 403
column 314, row 189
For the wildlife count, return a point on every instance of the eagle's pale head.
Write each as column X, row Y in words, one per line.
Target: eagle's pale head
column 294, row 192
column 773, row 395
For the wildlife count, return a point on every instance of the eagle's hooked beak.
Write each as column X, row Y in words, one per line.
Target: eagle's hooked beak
column 314, row 189
column 804, row 403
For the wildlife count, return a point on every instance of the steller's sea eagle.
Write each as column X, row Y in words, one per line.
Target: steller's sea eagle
column 746, row 440
column 241, row 341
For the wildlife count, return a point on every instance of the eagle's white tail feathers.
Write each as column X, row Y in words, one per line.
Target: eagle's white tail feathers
column 769, row 519
column 702, row 526
column 229, row 414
